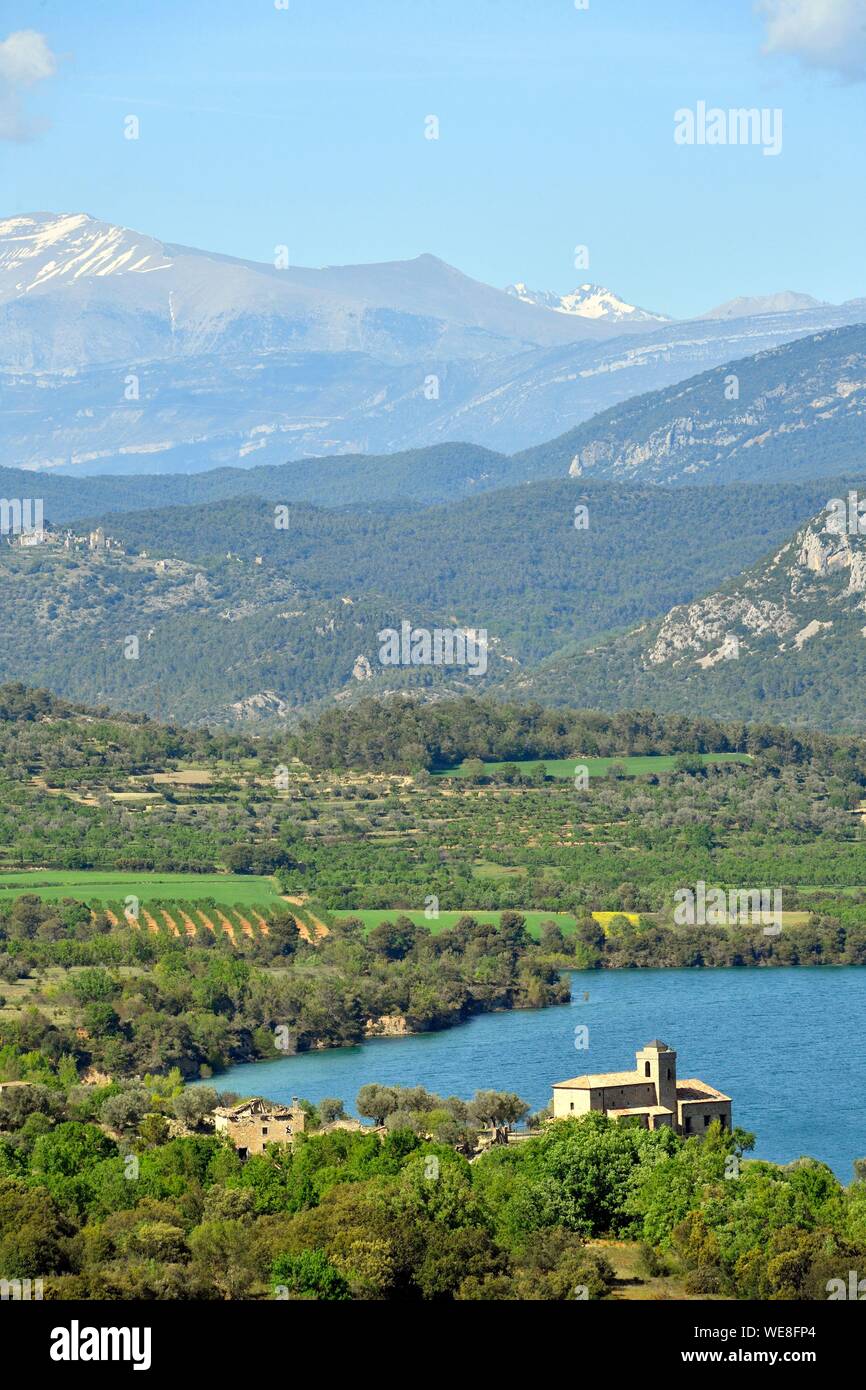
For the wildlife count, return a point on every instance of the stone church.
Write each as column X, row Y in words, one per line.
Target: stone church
column 651, row 1094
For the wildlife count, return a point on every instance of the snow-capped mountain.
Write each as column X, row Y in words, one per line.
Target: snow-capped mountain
column 76, row 291
column 586, row 302
column 68, row 248
column 237, row 362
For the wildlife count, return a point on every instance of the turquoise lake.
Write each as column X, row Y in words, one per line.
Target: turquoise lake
column 786, row 1044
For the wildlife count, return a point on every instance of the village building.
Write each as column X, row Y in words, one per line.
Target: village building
column 651, row 1094
column 351, row 1126
column 38, row 536
column 253, row 1124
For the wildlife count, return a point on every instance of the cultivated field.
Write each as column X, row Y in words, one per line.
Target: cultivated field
column 230, row 905
column 92, row 886
column 565, row 920
column 636, row 766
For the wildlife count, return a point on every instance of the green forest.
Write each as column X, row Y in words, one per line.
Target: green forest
column 126, row 1195
column 227, row 606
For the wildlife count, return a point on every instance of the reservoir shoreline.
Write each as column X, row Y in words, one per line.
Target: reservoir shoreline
column 780, row 1042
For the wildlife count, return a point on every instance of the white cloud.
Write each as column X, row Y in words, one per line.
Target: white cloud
column 821, row 33
column 25, row 59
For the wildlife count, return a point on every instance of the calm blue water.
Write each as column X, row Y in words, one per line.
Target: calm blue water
column 786, row 1044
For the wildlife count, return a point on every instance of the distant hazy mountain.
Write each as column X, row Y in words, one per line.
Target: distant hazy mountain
column 253, row 408
column 798, row 410
column 786, row 302
column 440, row 473
column 122, row 354
column 75, row 291
column 785, row 641
column 588, row 302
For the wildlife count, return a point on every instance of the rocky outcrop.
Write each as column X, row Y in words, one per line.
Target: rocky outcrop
column 266, row 703
column 710, row 621
column 795, row 598
column 94, row 1077
column 388, row 1026
column 795, row 411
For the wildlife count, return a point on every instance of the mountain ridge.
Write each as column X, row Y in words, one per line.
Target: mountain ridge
column 797, row 409
column 782, row 302
column 225, row 362
column 197, row 301
column 785, row 639
column 238, row 618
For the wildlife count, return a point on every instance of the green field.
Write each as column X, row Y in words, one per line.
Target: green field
column 98, row 886
column 637, row 766
column 371, row 917
column 256, row 891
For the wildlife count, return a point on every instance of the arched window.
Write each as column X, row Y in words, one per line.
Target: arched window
column 646, row 1068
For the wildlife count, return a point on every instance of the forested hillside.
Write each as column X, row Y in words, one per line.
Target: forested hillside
column 796, row 411
column 787, row 638
column 438, row 474
column 243, row 611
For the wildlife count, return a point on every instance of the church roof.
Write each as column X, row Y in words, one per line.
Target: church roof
column 605, row 1078
column 693, row 1089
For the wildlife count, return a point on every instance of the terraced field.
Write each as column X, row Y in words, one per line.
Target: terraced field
column 237, row 905
column 564, row 920
column 189, row 918
column 229, row 905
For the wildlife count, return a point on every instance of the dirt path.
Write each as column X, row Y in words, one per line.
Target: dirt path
column 189, row 924
column 170, row 922
column 303, row 929
column 207, row 921
column 261, row 921
column 150, row 922
column 227, row 927
column 318, row 925
column 246, row 924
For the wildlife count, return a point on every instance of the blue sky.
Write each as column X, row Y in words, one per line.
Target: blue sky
column 305, row 127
